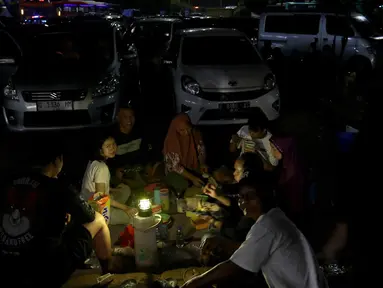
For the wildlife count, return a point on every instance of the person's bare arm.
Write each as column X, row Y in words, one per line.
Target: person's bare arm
column 230, row 246
column 192, row 178
column 210, row 190
column 100, row 190
column 336, row 243
column 235, row 139
column 118, row 205
column 225, row 201
column 215, row 275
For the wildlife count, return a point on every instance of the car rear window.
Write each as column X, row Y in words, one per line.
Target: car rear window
column 219, row 50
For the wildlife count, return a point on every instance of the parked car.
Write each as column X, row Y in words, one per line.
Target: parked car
column 152, row 36
column 67, row 77
column 10, row 54
column 294, row 31
column 218, row 77
column 247, row 25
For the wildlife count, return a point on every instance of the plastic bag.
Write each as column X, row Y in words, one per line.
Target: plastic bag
column 102, row 205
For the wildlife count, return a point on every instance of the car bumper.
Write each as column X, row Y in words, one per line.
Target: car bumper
column 205, row 112
column 23, row 116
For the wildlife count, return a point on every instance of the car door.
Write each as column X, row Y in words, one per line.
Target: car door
column 291, row 33
column 275, row 28
column 305, row 29
column 337, row 29
column 10, row 55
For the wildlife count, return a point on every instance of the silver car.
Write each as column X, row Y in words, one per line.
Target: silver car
column 294, row 31
column 67, row 78
column 219, row 77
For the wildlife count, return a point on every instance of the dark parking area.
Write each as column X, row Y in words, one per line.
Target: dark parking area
column 179, row 102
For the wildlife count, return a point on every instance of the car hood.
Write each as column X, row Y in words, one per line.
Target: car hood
column 54, row 78
column 226, row 77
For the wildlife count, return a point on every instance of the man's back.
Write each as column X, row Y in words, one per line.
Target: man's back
column 292, row 259
column 33, row 218
column 275, row 246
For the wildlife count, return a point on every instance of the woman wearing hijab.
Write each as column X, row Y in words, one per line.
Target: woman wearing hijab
column 184, row 153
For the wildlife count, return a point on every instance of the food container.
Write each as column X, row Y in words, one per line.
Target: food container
column 156, row 209
column 165, row 202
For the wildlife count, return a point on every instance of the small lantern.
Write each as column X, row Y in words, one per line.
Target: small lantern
column 144, row 208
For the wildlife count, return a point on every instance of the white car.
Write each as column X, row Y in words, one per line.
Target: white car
column 295, row 28
column 219, row 77
column 53, row 91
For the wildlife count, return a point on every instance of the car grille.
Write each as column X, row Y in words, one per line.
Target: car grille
column 56, row 118
column 217, row 114
column 64, row 95
column 233, row 96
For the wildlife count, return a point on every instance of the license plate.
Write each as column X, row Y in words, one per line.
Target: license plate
column 54, row 105
column 233, row 107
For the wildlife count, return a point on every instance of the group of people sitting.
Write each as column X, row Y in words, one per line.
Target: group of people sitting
column 44, row 218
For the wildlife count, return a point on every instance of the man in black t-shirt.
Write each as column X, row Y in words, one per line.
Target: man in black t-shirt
column 133, row 150
column 37, row 244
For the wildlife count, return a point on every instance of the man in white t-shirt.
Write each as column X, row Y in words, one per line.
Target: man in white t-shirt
column 255, row 138
column 274, row 246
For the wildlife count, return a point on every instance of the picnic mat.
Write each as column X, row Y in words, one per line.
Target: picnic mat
column 179, row 275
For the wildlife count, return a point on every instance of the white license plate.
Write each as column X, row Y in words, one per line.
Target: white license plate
column 233, row 107
column 54, row 105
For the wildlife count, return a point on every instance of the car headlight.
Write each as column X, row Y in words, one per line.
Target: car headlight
column 10, row 92
column 190, row 86
column 107, row 86
column 269, row 82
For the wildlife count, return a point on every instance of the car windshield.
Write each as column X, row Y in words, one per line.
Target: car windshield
column 82, row 48
column 197, row 23
column 218, row 50
column 364, row 27
column 160, row 30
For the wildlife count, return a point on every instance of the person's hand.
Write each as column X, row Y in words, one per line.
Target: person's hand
column 67, row 218
column 98, row 195
column 235, row 139
column 131, row 211
column 210, row 244
column 197, row 182
column 207, row 248
column 192, row 283
column 210, row 190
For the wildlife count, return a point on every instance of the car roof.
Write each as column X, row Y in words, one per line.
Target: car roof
column 159, row 19
column 202, row 32
column 70, row 27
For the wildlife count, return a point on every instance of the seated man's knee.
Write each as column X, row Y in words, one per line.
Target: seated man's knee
column 96, row 225
column 99, row 219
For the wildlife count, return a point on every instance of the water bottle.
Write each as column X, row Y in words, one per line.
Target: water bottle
column 158, row 234
column 180, row 242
